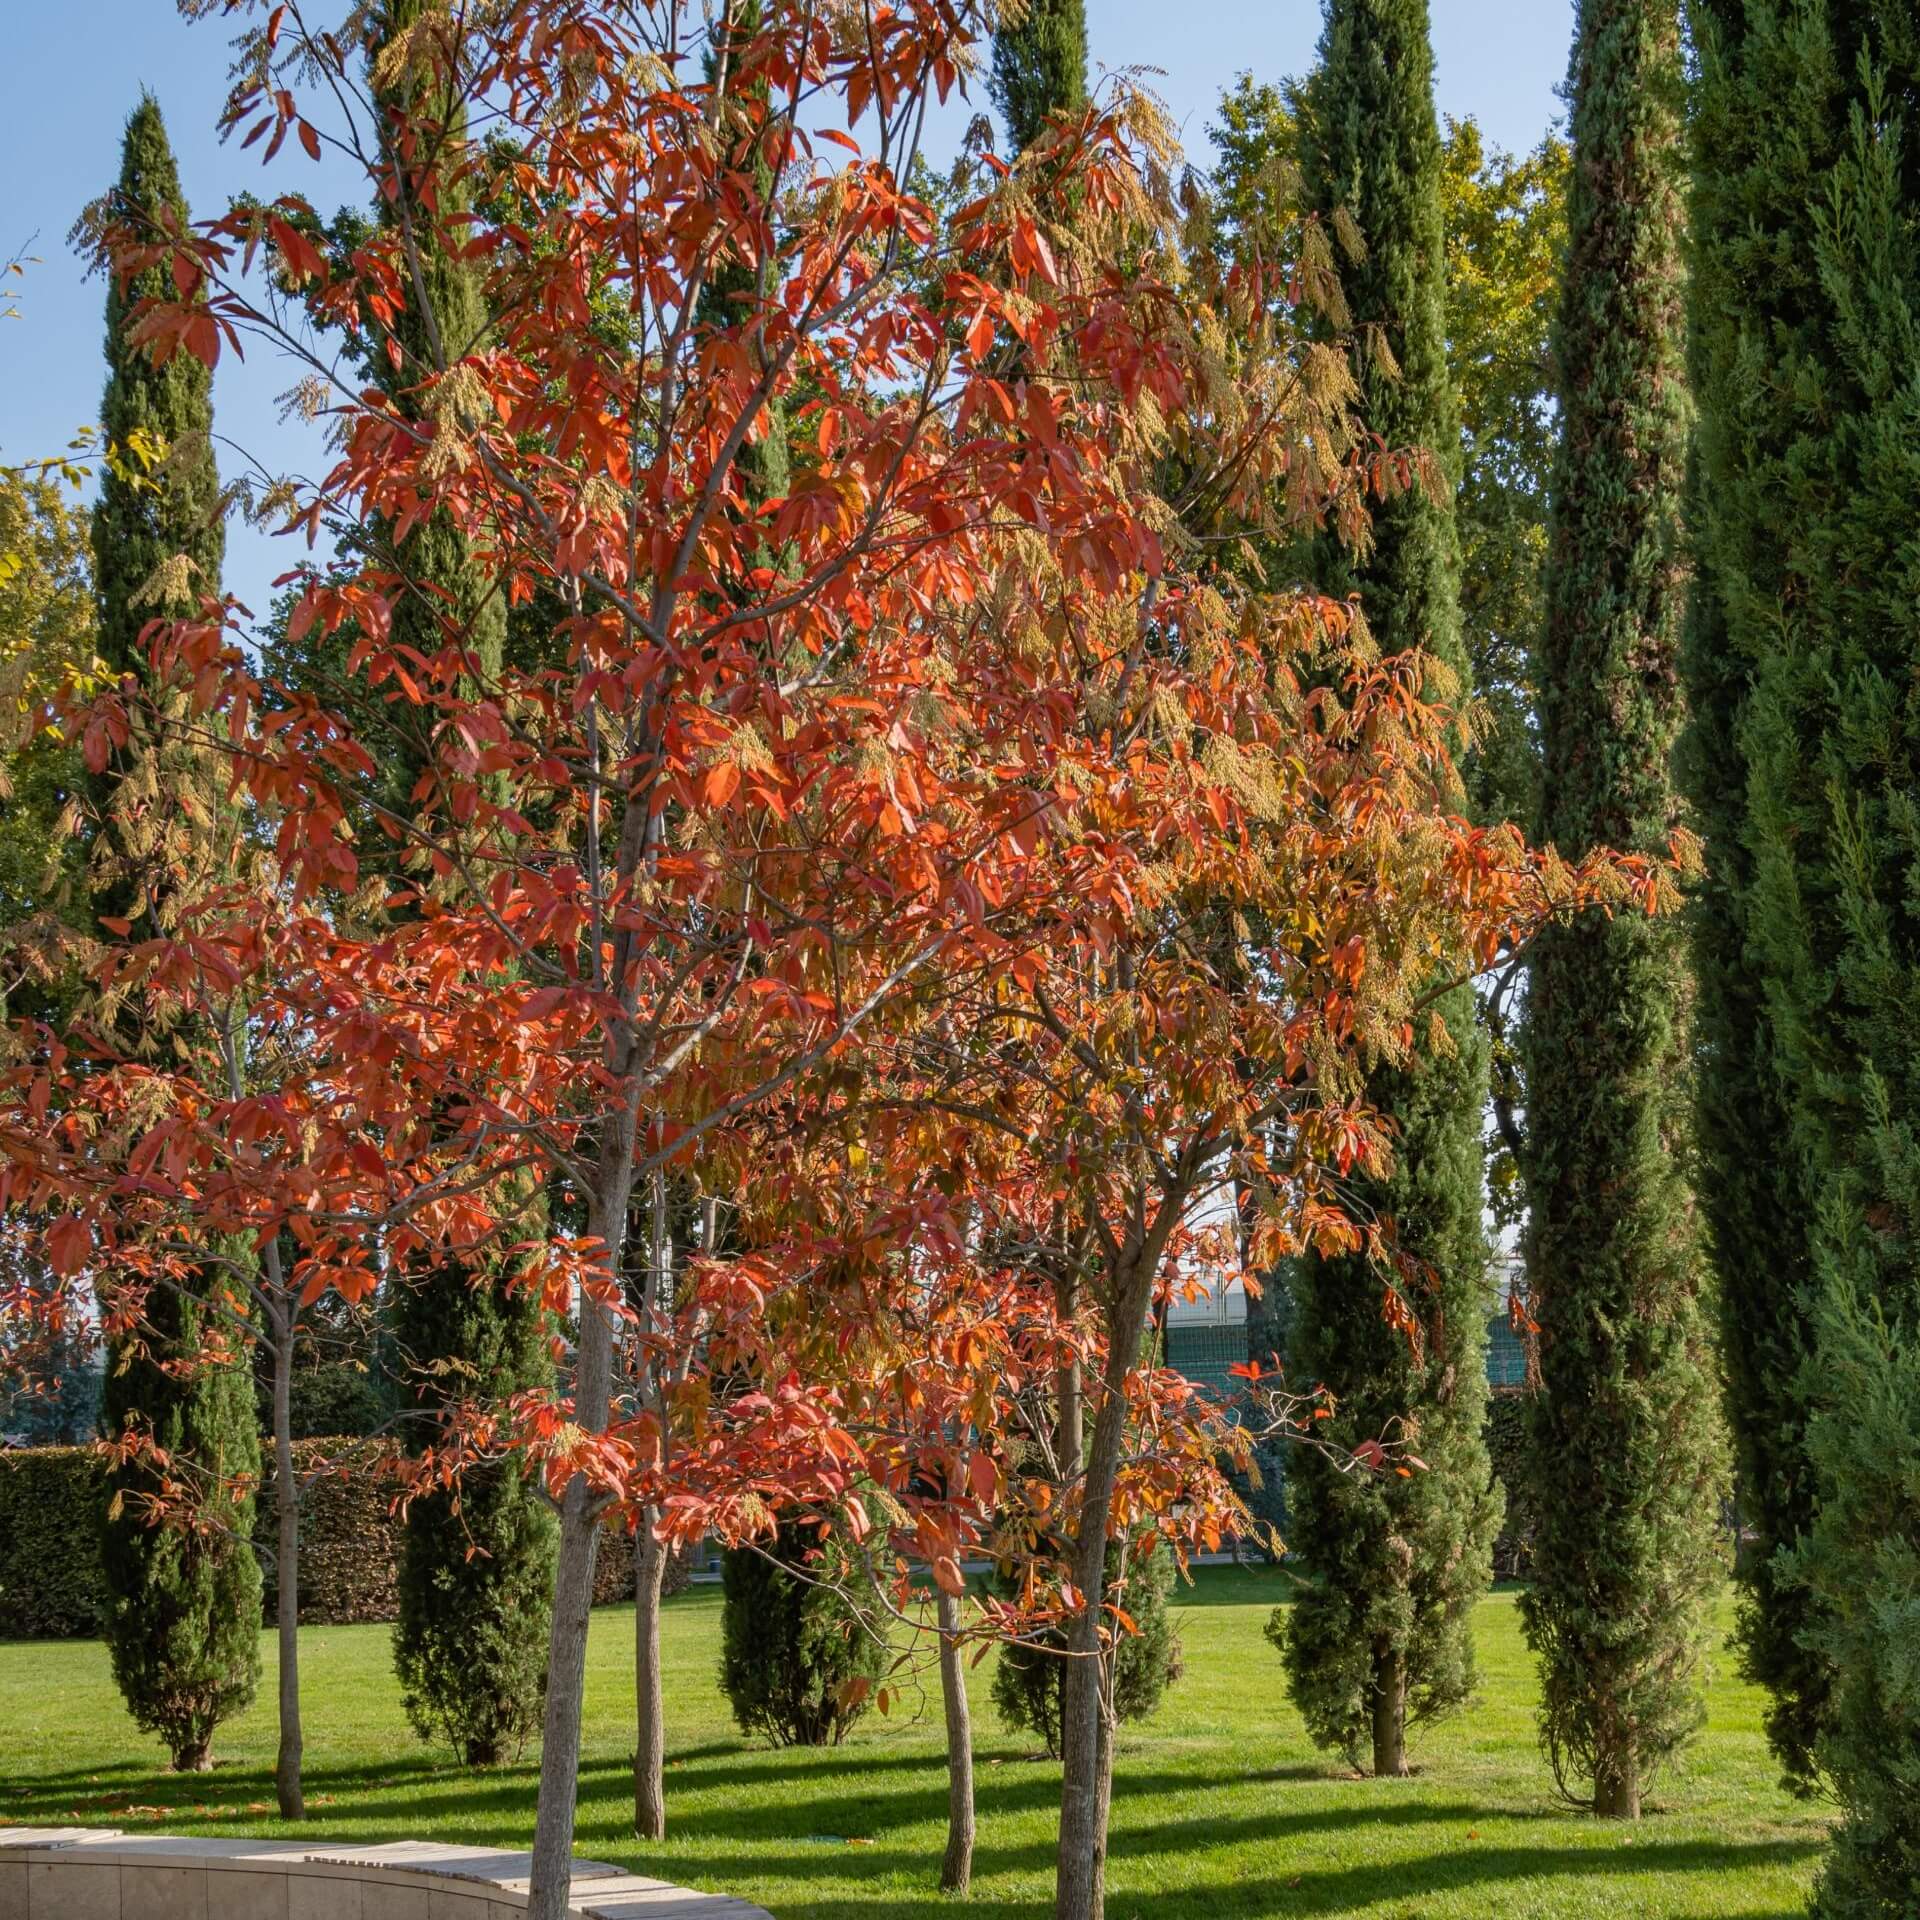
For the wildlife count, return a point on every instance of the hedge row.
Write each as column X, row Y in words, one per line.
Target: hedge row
column 51, row 1587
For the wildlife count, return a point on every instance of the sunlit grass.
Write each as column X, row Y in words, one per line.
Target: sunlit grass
column 1221, row 1807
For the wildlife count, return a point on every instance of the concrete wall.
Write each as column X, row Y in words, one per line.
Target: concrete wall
column 83, row 1873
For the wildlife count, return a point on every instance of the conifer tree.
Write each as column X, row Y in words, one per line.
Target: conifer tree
column 1027, row 1676
column 183, row 1609
column 1380, row 1635
column 1805, row 319
column 1755, row 323
column 476, row 1568
column 145, row 526
column 792, row 1648
column 1039, row 66
column 183, row 1606
column 1624, row 1458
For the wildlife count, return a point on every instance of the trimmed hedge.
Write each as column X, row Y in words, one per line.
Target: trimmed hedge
column 52, row 1588
column 51, row 1583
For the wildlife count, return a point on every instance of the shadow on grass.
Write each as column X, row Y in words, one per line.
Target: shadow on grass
column 1308, row 1895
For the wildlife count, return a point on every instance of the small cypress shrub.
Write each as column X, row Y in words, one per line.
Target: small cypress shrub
column 1027, row 1680
column 790, row 1647
column 183, row 1608
column 476, row 1566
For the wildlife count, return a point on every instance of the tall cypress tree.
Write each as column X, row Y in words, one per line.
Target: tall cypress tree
column 1040, row 66
column 1380, row 1635
column 1756, row 350
column 183, row 1610
column 1624, row 1457
column 143, row 527
column 476, row 1566
column 1809, row 475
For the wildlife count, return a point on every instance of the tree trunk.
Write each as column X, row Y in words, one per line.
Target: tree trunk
column 286, row 1501
column 1616, row 1777
column 197, row 1758
column 650, row 1746
column 1086, row 1755
column 1389, row 1714
column 957, row 1868
column 551, row 1878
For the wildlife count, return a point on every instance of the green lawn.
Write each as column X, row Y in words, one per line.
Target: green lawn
column 1221, row 1808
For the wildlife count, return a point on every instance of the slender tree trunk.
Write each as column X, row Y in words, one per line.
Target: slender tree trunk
column 286, row 1500
column 1389, row 1714
column 551, row 1878
column 1086, row 1756
column 650, row 1745
column 1069, row 1412
column 957, row 1868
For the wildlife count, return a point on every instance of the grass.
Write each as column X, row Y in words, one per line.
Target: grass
column 1221, row 1807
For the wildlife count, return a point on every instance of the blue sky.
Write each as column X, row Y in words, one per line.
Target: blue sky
column 73, row 71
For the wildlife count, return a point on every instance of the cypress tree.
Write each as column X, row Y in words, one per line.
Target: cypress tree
column 183, row 1606
column 1623, row 1455
column 1756, row 355
column 183, row 1609
column 1146, row 1662
column 142, row 530
column 1380, row 1634
column 476, row 1564
column 1039, row 66
column 791, row 1648
column 1809, row 473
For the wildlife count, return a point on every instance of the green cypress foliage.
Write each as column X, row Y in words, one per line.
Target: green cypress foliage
column 791, row 1648
column 183, row 1608
column 1380, row 1635
column 138, row 529
column 1761, row 377
column 183, row 1615
column 1039, row 66
column 1624, row 1457
column 1146, row 1662
column 476, row 1567
column 1807, row 313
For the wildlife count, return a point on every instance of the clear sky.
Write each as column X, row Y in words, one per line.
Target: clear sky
column 74, row 68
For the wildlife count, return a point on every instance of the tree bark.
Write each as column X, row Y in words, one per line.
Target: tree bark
column 286, row 1500
column 551, row 1877
column 1616, row 1777
column 650, row 1743
column 1086, row 1756
column 1389, row 1714
column 956, row 1870
column 1069, row 1414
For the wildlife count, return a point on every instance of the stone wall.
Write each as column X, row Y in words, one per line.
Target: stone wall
column 83, row 1873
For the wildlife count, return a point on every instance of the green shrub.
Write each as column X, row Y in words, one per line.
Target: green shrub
column 51, row 1585
column 476, row 1564
column 1026, row 1682
column 792, row 1649
column 183, row 1602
